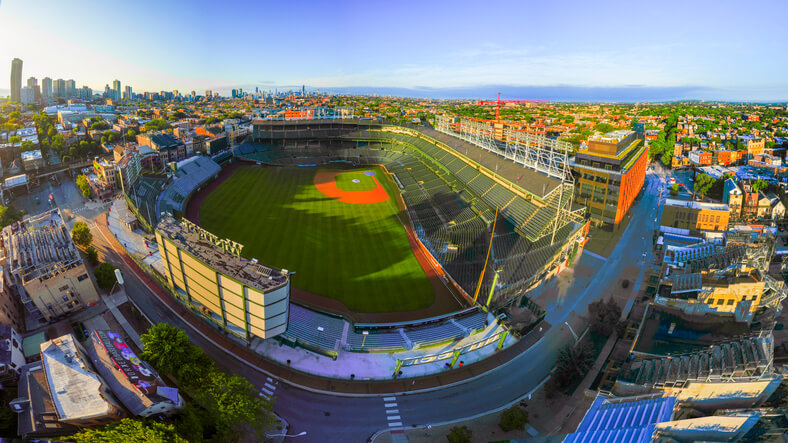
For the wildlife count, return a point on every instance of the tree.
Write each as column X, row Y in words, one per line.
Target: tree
column 81, row 234
column 760, row 184
column 603, row 127
column 674, row 189
column 234, row 402
column 105, row 275
column 156, row 124
column 460, row 434
column 603, row 317
column 14, row 139
column 99, row 126
column 131, row 134
column 168, row 349
column 9, row 214
column 130, row 431
column 92, row 255
column 27, row 145
column 82, row 181
column 572, row 363
column 703, row 184
column 513, row 418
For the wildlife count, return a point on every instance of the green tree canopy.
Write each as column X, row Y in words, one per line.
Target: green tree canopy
column 703, row 184
column 460, row 434
column 604, row 127
column 573, row 362
column 156, row 124
column 81, row 234
column 168, row 349
column 759, row 185
column 82, row 183
column 604, row 316
column 513, row 418
column 130, row 431
column 99, row 126
column 9, row 214
column 92, row 255
column 105, row 275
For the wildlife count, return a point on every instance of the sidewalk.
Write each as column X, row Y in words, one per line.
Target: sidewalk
column 302, row 379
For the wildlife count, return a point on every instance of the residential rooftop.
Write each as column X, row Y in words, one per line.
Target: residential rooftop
column 76, row 390
column 696, row 205
column 39, row 246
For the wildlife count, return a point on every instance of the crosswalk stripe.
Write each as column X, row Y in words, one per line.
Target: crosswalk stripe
column 389, row 398
column 392, row 411
column 263, row 395
column 394, row 417
column 390, row 405
column 394, row 425
column 267, row 391
column 270, row 386
column 270, row 379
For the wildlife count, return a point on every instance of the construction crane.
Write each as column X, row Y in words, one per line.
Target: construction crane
column 499, row 101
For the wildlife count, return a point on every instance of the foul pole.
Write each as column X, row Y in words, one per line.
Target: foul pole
column 489, row 248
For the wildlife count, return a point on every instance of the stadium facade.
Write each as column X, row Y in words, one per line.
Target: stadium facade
column 241, row 296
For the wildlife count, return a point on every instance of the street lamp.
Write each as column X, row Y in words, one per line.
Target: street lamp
column 365, row 333
column 319, row 330
column 285, row 435
column 118, row 280
column 572, row 331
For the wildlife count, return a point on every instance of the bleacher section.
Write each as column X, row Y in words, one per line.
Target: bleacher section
column 625, row 420
column 303, row 324
column 191, row 174
column 746, row 357
column 144, row 195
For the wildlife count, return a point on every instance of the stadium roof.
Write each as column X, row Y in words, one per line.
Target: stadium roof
column 623, row 419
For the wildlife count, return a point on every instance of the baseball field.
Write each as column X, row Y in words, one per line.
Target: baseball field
column 337, row 229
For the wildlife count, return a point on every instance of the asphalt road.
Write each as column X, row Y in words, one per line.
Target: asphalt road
column 328, row 418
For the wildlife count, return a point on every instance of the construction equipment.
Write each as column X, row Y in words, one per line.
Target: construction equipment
column 499, row 101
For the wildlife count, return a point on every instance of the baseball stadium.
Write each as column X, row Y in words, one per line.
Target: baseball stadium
column 414, row 235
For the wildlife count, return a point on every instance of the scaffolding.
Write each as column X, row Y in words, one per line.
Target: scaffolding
column 533, row 151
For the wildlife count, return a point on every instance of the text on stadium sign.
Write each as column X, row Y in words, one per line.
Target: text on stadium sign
column 224, row 243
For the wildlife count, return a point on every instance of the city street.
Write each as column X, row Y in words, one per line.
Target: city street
column 340, row 418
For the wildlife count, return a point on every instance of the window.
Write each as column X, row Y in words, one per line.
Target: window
column 720, row 301
column 730, row 302
column 710, row 301
column 16, row 343
column 82, row 277
column 63, row 288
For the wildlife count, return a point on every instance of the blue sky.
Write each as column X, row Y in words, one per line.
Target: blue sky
column 730, row 50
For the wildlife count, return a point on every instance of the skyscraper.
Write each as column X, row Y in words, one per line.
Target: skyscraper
column 71, row 88
column 128, row 94
column 116, row 89
column 46, row 87
column 16, row 79
column 32, row 82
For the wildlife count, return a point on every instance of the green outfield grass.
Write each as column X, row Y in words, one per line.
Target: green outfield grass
column 357, row 254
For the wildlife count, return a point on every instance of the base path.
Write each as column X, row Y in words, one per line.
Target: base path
column 326, row 183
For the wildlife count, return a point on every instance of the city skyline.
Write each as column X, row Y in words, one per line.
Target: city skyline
column 649, row 54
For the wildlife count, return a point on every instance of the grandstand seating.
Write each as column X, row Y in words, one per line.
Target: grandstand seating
column 192, row 174
column 744, row 357
column 302, row 328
